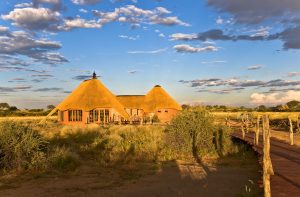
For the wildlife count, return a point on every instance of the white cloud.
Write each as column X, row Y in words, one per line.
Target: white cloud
column 255, row 67
column 213, row 62
column 181, row 36
column 149, row 52
column 163, row 10
column 293, row 74
column 3, row 29
column 79, row 23
column 161, row 35
column 219, row 20
column 33, row 18
column 185, row 48
column 83, row 10
column 172, row 20
column 22, row 5
column 85, row 2
column 135, row 15
column 22, row 43
column 129, row 37
column 261, row 32
column 274, row 98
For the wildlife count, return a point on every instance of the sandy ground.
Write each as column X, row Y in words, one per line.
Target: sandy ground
column 175, row 178
column 285, row 136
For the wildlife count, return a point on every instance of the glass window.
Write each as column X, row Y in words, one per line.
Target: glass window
column 70, row 115
column 106, row 115
column 80, row 115
column 91, row 116
column 96, row 115
column 101, row 115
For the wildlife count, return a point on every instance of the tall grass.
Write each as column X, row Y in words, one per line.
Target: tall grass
column 21, row 147
column 26, row 145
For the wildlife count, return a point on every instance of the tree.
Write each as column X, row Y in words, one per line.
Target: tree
column 293, row 105
column 192, row 131
column 4, row 106
column 50, row 107
column 13, row 108
column 262, row 108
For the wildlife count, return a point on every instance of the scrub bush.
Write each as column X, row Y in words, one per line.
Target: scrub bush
column 21, row 148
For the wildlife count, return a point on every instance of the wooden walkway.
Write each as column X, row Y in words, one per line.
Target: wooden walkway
column 286, row 164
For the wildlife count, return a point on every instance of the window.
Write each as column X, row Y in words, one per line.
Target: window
column 158, row 111
column 166, row 111
column 106, row 115
column 91, row 116
column 101, row 115
column 96, row 115
column 70, row 115
column 74, row 115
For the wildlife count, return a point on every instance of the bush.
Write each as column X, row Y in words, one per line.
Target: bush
column 194, row 131
column 21, row 148
column 127, row 144
column 61, row 158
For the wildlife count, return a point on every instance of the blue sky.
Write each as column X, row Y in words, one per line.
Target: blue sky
column 210, row 52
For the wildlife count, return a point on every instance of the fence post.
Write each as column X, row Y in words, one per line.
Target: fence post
column 267, row 164
column 243, row 128
column 291, row 132
column 298, row 123
column 247, row 123
column 257, row 130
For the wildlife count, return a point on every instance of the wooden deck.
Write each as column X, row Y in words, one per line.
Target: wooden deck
column 286, row 164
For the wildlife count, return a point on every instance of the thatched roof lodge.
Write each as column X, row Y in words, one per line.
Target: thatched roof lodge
column 92, row 102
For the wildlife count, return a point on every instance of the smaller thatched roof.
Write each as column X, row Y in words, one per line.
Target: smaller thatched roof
column 131, row 101
column 158, row 98
column 91, row 94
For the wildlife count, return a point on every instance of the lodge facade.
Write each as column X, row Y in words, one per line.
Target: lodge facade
column 92, row 102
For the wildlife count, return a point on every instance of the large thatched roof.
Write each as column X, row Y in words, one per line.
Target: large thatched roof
column 158, row 98
column 132, row 101
column 89, row 95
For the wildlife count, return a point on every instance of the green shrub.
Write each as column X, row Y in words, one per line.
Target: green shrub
column 222, row 140
column 61, row 158
column 192, row 131
column 126, row 144
column 195, row 131
column 21, row 148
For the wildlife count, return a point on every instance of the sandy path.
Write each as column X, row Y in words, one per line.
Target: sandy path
column 174, row 179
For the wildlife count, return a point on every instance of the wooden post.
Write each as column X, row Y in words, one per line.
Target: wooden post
column 267, row 164
column 291, row 132
column 243, row 127
column 298, row 123
column 247, row 123
column 257, row 130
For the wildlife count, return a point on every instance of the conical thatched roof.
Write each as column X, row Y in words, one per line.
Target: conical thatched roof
column 132, row 101
column 158, row 98
column 89, row 95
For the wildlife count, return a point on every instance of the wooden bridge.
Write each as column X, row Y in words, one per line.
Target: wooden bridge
column 286, row 164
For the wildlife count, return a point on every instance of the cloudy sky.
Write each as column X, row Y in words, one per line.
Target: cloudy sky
column 212, row 51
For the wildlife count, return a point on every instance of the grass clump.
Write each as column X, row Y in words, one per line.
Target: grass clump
column 21, row 147
column 130, row 144
column 61, row 158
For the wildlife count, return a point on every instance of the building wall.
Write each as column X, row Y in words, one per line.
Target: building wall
column 113, row 117
column 166, row 115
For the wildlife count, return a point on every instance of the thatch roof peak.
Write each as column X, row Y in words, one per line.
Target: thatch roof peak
column 158, row 98
column 91, row 94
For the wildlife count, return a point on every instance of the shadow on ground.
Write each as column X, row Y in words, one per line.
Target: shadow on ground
column 234, row 175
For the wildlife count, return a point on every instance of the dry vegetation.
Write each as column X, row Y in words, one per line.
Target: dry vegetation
column 123, row 152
